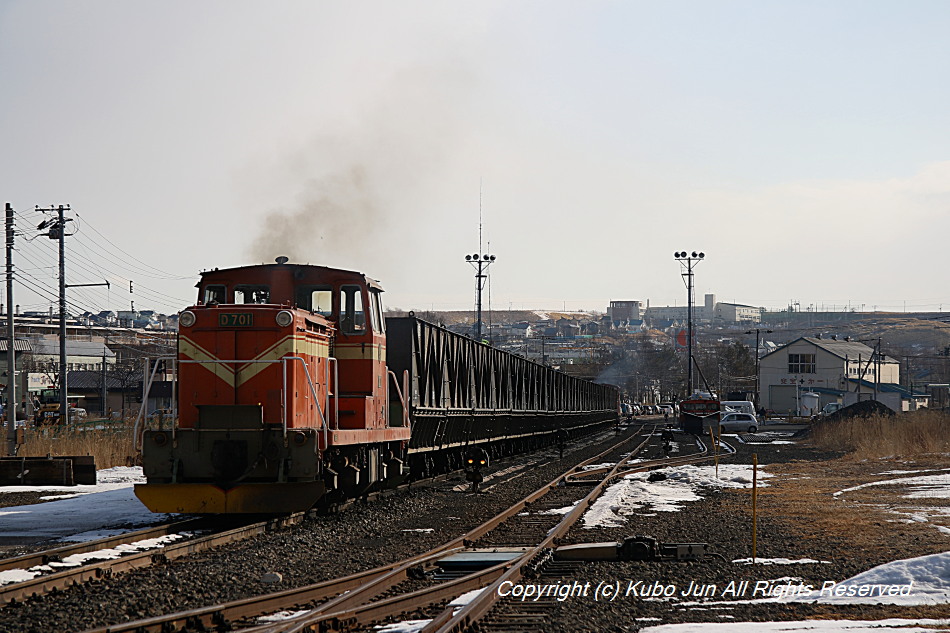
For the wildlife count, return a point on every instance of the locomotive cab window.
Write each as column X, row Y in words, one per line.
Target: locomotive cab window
column 216, row 294
column 246, row 293
column 352, row 315
column 376, row 311
column 318, row 299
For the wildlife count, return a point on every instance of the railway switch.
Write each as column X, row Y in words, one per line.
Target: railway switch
column 634, row 548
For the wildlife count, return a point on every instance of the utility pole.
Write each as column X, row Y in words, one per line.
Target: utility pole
column 877, row 367
column 11, row 347
column 105, row 389
column 61, row 234
column 758, row 396
column 687, row 262
column 57, row 231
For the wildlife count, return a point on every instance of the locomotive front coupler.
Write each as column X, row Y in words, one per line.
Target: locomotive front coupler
column 634, row 548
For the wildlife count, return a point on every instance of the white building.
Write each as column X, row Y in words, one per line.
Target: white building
column 822, row 366
column 738, row 313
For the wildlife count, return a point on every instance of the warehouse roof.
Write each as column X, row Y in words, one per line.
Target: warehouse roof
column 852, row 350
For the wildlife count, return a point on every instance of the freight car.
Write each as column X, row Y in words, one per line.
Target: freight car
column 292, row 387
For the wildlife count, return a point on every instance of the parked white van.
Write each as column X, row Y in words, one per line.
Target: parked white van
column 737, row 406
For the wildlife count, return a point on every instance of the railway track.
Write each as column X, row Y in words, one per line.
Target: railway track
column 121, row 553
column 61, row 567
column 405, row 586
column 494, row 612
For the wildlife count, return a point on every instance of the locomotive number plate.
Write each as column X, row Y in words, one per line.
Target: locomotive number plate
column 236, row 319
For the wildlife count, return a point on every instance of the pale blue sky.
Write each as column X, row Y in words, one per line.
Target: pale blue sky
column 801, row 145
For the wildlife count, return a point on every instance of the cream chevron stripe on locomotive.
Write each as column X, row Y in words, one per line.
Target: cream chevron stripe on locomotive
column 287, row 345
column 192, row 351
column 247, row 370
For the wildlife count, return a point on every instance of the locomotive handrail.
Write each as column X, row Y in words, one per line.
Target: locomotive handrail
column 336, row 386
column 401, row 393
column 316, row 400
column 282, row 361
column 146, row 388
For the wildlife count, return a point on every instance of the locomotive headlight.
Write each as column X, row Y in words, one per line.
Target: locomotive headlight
column 187, row 318
column 284, row 318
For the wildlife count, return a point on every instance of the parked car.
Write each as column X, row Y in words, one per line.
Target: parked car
column 738, row 422
column 831, row 407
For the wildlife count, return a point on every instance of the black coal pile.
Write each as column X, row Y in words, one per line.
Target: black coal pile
column 863, row 409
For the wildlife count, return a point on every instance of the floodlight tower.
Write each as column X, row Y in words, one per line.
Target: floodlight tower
column 480, row 262
column 687, row 262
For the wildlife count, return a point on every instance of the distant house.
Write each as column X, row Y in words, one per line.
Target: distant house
column 105, row 317
column 522, row 329
column 822, row 366
column 635, row 326
column 126, row 318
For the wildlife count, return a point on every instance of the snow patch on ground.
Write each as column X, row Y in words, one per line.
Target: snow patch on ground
column 682, row 485
column 561, row 511
column 280, row 616
column 928, row 576
column 923, row 487
column 19, row 575
column 819, row 626
column 114, row 504
column 779, row 561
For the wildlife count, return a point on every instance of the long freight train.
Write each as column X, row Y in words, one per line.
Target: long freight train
column 292, row 387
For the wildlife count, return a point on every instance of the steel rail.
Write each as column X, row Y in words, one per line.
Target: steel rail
column 361, row 612
column 467, row 616
column 41, row 558
column 483, row 603
column 654, row 463
column 366, row 584
column 366, row 614
column 59, row 580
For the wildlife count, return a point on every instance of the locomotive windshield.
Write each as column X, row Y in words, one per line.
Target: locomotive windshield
column 317, row 299
column 246, row 293
column 216, row 294
column 352, row 316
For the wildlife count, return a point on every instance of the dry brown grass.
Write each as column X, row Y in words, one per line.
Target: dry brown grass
column 905, row 435
column 109, row 443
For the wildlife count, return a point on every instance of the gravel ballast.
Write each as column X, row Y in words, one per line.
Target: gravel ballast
column 396, row 526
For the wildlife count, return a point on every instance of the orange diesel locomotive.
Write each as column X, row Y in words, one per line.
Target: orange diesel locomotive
column 285, row 396
column 282, row 394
